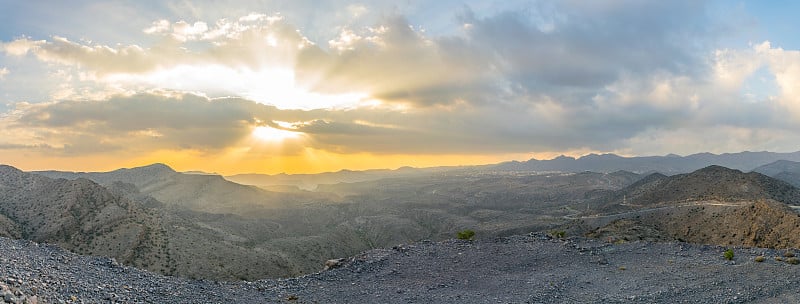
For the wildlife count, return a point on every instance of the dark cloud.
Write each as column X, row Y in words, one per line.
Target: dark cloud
column 562, row 49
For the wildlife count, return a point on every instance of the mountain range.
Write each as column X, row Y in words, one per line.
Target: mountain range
column 713, row 205
column 241, row 239
column 603, row 163
column 205, row 226
column 788, row 171
column 669, row 164
column 199, row 192
column 118, row 221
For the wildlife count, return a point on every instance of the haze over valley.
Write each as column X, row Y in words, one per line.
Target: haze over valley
column 204, row 226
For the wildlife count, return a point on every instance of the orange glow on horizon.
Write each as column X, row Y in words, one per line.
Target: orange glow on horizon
column 238, row 161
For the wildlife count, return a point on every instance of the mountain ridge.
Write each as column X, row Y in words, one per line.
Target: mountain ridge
column 712, row 205
column 669, row 164
column 204, row 193
column 785, row 170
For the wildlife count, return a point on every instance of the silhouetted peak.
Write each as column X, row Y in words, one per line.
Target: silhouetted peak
column 9, row 169
column 716, row 170
column 157, row 168
column 703, row 154
column 594, row 156
column 785, row 163
column 781, row 165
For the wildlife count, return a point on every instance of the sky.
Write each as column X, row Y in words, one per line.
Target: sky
column 263, row 86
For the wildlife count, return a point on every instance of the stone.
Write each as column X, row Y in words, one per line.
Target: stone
column 8, row 296
column 333, row 263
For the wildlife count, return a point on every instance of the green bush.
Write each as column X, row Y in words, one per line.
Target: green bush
column 560, row 234
column 760, row 258
column 793, row 261
column 728, row 254
column 466, row 234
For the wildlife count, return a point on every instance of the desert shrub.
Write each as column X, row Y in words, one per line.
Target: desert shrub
column 793, row 261
column 788, row 254
column 558, row 234
column 778, row 259
column 466, row 234
column 728, row 254
column 759, row 258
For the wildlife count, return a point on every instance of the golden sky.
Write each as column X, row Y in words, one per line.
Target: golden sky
column 300, row 87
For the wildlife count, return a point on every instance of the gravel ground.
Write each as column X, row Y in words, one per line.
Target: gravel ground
column 518, row 269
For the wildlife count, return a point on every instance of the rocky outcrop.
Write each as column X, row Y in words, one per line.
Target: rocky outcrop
column 766, row 224
column 81, row 216
column 204, row 193
column 710, row 183
column 519, row 269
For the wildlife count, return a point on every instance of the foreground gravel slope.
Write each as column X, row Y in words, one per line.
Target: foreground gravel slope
column 519, row 269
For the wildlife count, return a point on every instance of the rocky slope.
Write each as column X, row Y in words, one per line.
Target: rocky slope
column 788, row 171
column 714, row 205
column 519, row 269
column 119, row 222
column 81, row 216
column 205, row 193
column 294, row 240
column 374, row 214
column 710, row 183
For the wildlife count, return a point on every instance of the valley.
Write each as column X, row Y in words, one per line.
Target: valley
column 288, row 234
column 204, row 227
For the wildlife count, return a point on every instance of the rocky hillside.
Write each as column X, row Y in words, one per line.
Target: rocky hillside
column 206, row 193
column 710, row 183
column 520, row 269
column 766, row 224
column 81, row 216
column 119, row 222
column 714, row 205
column 788, row 171
column 291, row 241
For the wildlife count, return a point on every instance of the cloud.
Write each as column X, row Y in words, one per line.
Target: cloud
column 591, row 45
column 627, row 76
column 397, row 63
column 184, row 121
column 551, row 48
column 21, row 46
column 563, row 50
column 252, row 43
column 159, row 26
column 3, row 73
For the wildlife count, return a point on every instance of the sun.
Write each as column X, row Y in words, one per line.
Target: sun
column 265, row 133
column 274, row 86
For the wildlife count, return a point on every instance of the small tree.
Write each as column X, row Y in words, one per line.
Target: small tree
column 466, row 234
column 728, row 254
